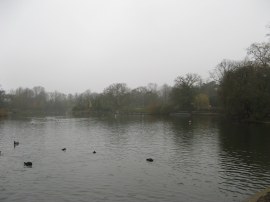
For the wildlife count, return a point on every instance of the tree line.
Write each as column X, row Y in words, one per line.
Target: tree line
column 240, row 89
column 185, row 95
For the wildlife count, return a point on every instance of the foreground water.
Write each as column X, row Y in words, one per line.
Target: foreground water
column 207, row 160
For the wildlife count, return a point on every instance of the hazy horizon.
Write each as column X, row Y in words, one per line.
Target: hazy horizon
column 71, row 46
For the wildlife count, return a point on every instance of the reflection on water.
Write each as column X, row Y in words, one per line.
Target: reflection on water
column 205, row 160
column 245, row 157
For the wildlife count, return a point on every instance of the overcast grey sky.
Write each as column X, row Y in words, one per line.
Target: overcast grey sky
column 74, row 45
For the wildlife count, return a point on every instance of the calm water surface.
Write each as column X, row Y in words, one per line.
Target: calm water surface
column 208, row 160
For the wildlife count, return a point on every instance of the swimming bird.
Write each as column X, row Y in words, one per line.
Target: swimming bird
column 28, row 164
column 150, row 159
column 94, row 152
column 16, row 144
column 64, row 149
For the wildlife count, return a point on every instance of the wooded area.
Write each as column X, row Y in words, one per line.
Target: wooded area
column 241, row 89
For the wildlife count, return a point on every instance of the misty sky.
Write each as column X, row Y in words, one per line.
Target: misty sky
column 75, row 45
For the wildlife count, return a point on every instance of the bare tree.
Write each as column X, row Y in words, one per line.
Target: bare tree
column 221, row 69
column 164, row 93
column 188, row 80
column 268, row 34
column 260, row 53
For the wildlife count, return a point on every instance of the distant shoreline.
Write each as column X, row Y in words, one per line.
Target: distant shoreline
column 5, row 113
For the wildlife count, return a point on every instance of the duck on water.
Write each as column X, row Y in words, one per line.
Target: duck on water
column 150, row 160
column 28, row 164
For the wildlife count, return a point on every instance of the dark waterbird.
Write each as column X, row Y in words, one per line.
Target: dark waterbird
column 16, row 143
column 28, row 164
column 94, row 152
column 64, row 149
column 150, row 160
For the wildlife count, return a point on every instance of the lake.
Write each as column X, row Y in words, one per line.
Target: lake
column 207, row 159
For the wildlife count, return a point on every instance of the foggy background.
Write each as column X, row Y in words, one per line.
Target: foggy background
column 71, row 46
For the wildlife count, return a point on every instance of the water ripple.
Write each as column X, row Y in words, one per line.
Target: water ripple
column 204, row 161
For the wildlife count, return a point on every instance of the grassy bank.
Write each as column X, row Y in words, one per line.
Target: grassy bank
column 262, row 196
column 3, row 113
